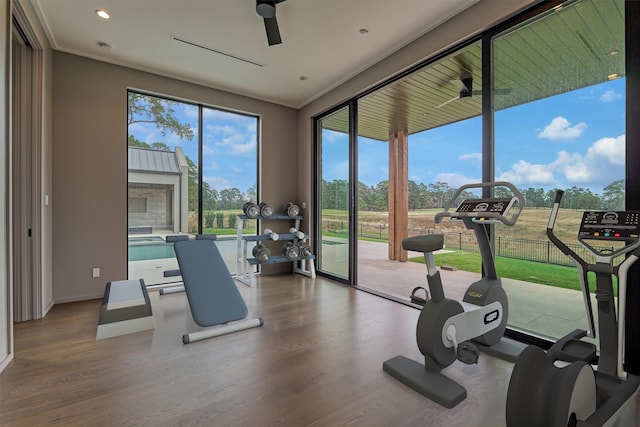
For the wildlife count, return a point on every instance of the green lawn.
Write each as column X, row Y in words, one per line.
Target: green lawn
column 529, row 271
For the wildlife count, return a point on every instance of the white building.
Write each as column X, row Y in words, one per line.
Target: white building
column 157, row 190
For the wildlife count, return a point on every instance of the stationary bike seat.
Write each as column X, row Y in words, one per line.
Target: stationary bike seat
column 426, row 243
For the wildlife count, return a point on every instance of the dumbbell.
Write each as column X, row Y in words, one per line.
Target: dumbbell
column 251, row 209
column 261, row 253
column 305, row 249
column 290, row 250
column 291, row 210
column 269, row 232
column 297, row 233
column 266, row 209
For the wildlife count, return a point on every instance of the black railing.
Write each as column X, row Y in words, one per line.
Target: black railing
column 510, row 247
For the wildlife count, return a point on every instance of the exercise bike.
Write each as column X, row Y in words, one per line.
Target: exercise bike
column 447, row 329
column 563, row 387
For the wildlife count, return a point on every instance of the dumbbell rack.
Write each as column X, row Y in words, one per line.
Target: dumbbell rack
column 246, row 266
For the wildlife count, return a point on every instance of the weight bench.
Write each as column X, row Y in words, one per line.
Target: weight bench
column 173, row 273
column 213, row 297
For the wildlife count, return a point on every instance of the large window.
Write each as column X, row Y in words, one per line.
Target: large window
column 540, row 103
column 190, row 170
column 333, row 201
column 441, row 132
column 560, row 126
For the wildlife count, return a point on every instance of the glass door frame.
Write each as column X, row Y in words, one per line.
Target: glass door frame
column 351, row 279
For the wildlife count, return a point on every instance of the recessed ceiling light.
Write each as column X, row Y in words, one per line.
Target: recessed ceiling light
column 103, row 14
column 613, row 76
column 613, row 53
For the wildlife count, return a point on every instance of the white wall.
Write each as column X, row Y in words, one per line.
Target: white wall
column 6, row 306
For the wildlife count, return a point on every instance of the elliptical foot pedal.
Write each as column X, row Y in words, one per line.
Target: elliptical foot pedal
column 468, row 353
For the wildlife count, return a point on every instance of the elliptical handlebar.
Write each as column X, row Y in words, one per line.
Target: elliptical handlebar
column 551, row 224
column 515, row 211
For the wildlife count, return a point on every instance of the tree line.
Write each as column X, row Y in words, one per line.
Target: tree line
column 335, row 195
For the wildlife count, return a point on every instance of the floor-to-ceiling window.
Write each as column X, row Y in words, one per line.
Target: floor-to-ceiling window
column 190, row 170
column 334, row 194
column 562, row 126
column 422, row 133
column 555, row 118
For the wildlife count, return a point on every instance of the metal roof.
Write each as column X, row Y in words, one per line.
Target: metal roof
column 575, row 46
column 148, row 160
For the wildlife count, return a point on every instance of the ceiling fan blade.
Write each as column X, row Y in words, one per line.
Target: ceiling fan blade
column 446, row 102
column 273, row 32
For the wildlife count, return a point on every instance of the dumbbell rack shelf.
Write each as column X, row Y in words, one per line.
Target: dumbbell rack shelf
column 245, row 265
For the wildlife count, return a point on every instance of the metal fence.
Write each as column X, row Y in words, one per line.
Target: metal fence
column 518, row 248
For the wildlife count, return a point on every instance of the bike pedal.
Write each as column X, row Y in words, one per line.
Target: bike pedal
column 468, row 353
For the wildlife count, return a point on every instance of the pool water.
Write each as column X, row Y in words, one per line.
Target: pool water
column 147, row 248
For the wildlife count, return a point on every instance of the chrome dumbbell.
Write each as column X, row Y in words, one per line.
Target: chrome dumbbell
column 261, row 253
column 272, row 235
column 305, row 249
column 297, row 233
column 266, row 209
column 251, row 209
column 291, row 210
column 290, row 250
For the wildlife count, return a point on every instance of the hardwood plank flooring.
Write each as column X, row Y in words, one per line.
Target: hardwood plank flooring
column 317, row 361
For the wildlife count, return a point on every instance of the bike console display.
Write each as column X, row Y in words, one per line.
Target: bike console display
column 610, row 225
column 483, row 210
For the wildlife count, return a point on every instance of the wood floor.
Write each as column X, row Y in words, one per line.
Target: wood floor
column 317, row 361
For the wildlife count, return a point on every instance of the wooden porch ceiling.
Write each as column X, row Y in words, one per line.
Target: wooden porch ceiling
column 575, row 46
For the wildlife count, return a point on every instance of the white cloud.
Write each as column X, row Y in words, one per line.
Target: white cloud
column 560, row 129
column 528, row 173
column 609, row 96
column 600, row 165
column 455, row 180
column 612, row 149
column 475, row 158
column 217, row 182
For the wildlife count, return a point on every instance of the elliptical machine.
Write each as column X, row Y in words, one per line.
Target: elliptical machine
column 445, row 326
column 541, row 391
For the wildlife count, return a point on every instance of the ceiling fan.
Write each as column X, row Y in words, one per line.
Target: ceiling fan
column 267, row 9
column 465, row 88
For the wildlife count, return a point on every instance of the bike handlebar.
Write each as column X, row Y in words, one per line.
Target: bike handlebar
column 497, row 215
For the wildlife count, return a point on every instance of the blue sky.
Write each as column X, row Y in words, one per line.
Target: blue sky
column 573, row 139
column 229, row 144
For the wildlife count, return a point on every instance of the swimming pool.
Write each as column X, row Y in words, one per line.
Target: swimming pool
column 147, row 248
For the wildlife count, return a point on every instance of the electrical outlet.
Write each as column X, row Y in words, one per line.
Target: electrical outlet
column 96, row 272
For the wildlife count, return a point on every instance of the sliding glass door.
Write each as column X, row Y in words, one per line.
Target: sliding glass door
column 334, row 194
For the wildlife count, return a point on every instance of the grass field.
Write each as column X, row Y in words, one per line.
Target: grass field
column 534, row 272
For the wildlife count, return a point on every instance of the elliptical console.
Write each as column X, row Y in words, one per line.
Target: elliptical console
column 540, row 393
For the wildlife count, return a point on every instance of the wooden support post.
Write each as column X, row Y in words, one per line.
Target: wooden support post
column 398, row 194
column 391, row 194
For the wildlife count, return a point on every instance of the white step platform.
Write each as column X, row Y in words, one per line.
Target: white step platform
column 126, row 309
